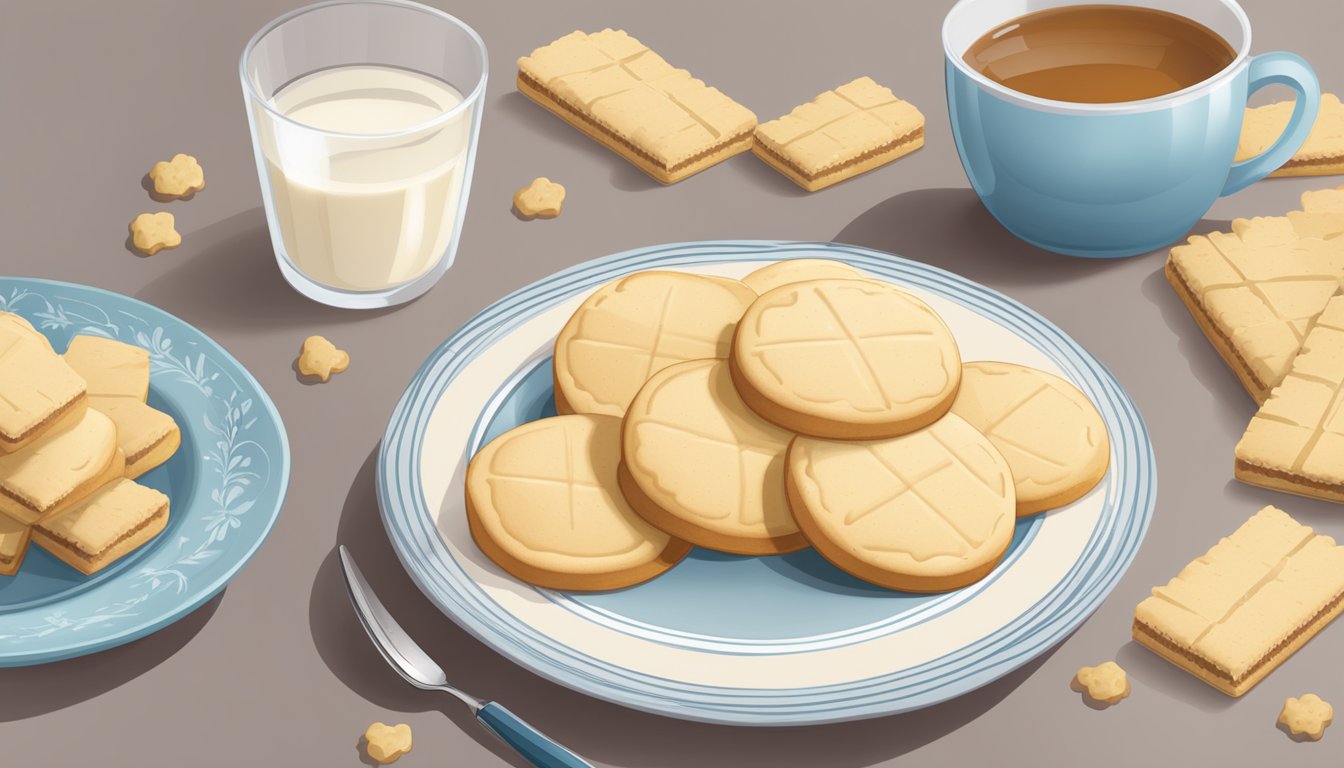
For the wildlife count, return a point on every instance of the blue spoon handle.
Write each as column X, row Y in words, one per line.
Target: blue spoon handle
column 528, row 741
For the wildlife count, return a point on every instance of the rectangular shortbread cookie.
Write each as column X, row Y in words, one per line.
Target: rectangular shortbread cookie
column 1234, row 614
column 37, row 389
column 838, row 135
column 1255, row 291
column 110, row 523
column 1295, row 442
column 613, row 88
column 1322, row 154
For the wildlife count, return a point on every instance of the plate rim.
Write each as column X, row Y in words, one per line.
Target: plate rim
column 181, row 609
column 478, row 333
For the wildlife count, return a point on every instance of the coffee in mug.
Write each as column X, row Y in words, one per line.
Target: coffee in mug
column 1100, row 53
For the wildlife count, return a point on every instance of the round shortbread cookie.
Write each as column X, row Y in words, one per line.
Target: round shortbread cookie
column 631, row 328
column 798, row 270
column 845, row 359
column 544, row 505
column 699, row 464
column 925, row 512
column 1050, row 433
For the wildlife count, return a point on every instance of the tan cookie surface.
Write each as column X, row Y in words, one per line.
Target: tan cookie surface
column 153, row 232
column 37, row 387
column 542, row 198
column 1322, row 152
column 612, row 87
column 109, row 523
column 1308, row 716
column 847, row 359
column 13, row 545
column 1235, row 613
column 12, row 322
column 800, row 270
column 699, row 464
column 110, row 368
column 147, row 436
column 633, row 327
column 1295, row 442
column 925, row 512
column 1049, row 432
column 60, row 468
column 180, row 177
column 544, row 504
column 1106, row 683
column 386, row 743
column 840, row 134
column 320, row 358
column 1256, row 290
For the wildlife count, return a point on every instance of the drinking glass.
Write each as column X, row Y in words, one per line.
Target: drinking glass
column 363, row 216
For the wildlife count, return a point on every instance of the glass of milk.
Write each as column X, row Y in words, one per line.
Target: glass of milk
column 364, row 118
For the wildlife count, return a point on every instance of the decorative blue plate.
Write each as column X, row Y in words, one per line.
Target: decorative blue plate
column 752, row 640
column 225, row 484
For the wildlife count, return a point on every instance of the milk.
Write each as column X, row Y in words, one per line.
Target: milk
column 372, row 201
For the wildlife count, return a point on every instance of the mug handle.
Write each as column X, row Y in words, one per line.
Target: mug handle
column 1279, row 68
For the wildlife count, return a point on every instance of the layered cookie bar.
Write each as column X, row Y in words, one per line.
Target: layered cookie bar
column 107, row 525
column 613, row 88
column 840, row 134
column 1295, row 442
column 38, row 391
column 1321, row 154
column 1255, row 291
column 1234, row 614
column 118, row 385
column 59, row 469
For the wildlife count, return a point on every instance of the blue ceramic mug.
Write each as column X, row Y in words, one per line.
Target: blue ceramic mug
column 1117, row 179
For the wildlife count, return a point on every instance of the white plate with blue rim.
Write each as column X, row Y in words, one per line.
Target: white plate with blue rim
column 225, row 484
column 782, row 640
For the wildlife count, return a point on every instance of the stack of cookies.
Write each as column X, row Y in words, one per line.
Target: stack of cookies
column 74, row 432
column 804, row 405
column 1268, row 296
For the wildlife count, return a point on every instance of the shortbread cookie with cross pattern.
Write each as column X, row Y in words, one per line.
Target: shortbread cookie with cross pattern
column 779, row 273
column 1255, row 291
column 1295, row 442
column 630, row 329
column 613, row 88
column 845, row 359
column 853, row 129
column 544, row 504
column 929, row 511
column 701, row 465
column 1050, row 433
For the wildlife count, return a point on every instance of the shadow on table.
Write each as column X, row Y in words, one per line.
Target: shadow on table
column 1203, row 360
column 1158, row 673
column 539, row 122
column 949, row 228
column 31, row 691
column 596, row 729
column 226, row 277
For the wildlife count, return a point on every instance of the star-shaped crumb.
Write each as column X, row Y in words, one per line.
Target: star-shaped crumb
column 1306, row 717
column 321, row 358
column 178, row 178
column 1105, row 683
column 542, row 198
column 153, row 232
column 386, row 743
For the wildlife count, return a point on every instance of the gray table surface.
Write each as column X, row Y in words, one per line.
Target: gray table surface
column 275, row 671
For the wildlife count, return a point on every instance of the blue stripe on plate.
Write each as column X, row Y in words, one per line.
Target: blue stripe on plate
column 1111, row 546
